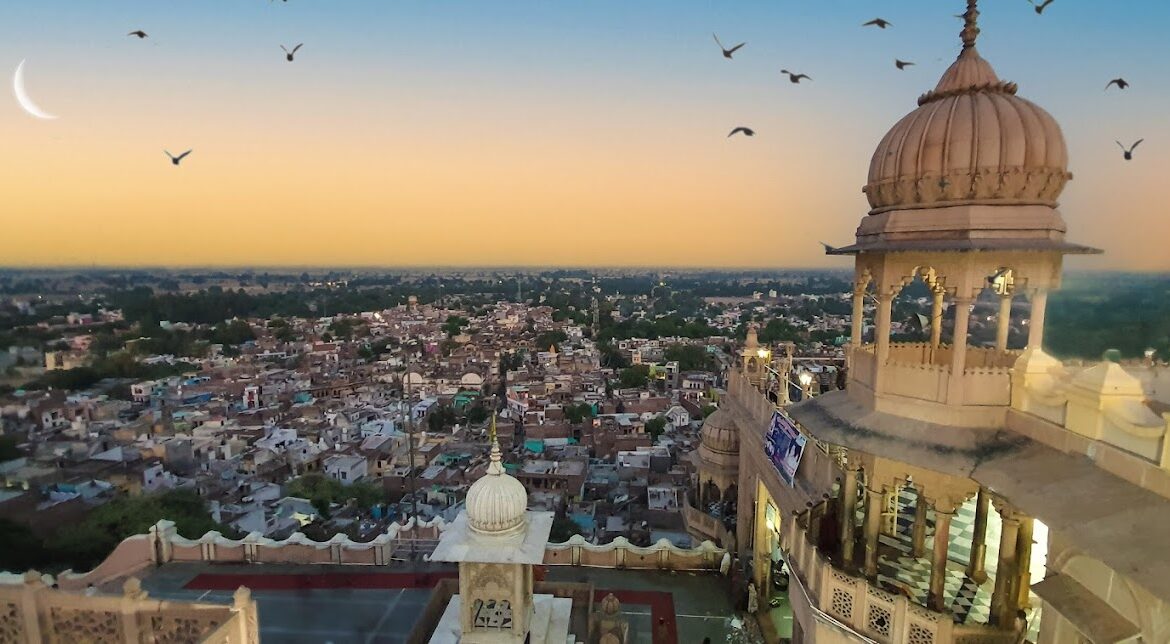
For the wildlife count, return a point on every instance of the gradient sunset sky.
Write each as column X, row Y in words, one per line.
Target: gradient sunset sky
column 542, row 132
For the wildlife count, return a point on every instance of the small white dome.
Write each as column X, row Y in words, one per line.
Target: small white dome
column 497, row 503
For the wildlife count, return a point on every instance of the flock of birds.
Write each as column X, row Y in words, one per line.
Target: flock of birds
column 881, row 23
column 289, row 55
column 729, row 53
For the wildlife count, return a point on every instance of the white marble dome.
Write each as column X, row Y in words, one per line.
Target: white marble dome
column 497, row 503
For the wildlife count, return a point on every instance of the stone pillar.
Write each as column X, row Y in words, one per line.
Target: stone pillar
column 918, row 533
column 815, row 513
column 1036, row 321
column 955, row 392
column 858, row 319
column 848, row 514
column 1003, row 321
column 936, row 311
column 1003, row 596
column 938, row 556
column 1024, row 562
column 882, row 332
column 978, row 546
column 874, row 504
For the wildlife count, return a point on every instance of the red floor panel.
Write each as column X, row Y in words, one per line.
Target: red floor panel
column 661, row 603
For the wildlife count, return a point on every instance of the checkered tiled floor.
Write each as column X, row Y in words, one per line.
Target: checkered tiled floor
column 969, row 602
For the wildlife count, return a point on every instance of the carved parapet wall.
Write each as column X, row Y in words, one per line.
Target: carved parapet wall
column 32, row 612
column 620, row 553
column 1099, row 412
column 299, row 549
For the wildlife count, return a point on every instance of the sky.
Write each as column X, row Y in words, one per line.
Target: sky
column 532, row 132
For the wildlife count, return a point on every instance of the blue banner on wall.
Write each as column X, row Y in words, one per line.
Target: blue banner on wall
column 784, row 445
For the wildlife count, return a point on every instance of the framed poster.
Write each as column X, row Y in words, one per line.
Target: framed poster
column 784, row 445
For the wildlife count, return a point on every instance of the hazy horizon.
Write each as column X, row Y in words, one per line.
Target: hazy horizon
column 417, row 134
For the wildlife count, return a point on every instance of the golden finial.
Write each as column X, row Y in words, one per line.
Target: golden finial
column 970, row 24
column 495, row 461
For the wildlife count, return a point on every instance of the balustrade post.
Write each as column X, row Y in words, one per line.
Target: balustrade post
column 938, row 557
column 1003, row 321
column 848, row 515
column 978, row 546
column 936, row 311
column 1024, row 562
column 874, row 503
column 918, row 532
column 1003, row 596
column 1036, row 319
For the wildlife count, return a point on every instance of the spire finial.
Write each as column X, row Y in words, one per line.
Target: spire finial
column 495, row 467
column 970, row 24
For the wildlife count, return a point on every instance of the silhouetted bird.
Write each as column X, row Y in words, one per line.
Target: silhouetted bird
column 1129, row 153
column 176, row 159
column 1121, row 83
column 140, row 33
column 747, row 131
column 727, row 52
column 879, row 22
column 795, row 78
column 1039, row 7
column 902, row 64
column 289, row 54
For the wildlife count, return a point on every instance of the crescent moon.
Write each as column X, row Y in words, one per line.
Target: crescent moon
column 22, row 96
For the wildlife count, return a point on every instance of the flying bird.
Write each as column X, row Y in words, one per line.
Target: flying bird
column 882, row 23
column 176, row 159
column 1129, row 153
column 1039, row 7
column 727, row 52
column 140, row 33
column 1121, row 83
column 289, row 54
column 795, row 78
column 902, row 64
column 747, row 131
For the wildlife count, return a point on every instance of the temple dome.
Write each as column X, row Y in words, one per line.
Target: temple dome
column 719, row 439
column 971, row 141
column 497, row 503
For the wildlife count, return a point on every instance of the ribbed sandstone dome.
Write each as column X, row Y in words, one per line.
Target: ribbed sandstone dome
column 971, row 141
column 497, row 502
column 719, row 433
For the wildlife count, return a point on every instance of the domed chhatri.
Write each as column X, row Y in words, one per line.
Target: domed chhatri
column 719, row 435
column 971, row 141
column 497, row 503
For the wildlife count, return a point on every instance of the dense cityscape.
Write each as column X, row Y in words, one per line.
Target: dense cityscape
column 399, row 344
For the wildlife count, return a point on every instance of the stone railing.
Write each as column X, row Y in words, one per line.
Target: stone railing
column 297, row 548
column 163, row 544
column 708, row 526
column 871, row 611
column 32, row 612
column 620, row 553
column 1099, row 412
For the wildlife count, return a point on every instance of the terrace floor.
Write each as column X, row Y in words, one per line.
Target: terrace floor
column 339, row 604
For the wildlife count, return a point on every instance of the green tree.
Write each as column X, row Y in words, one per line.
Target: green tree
column 634, row 377
column 8, row 448
column 454, row 325
column 690, row 357
column 563, row 528
column 577, row 413
column 655, row 426
column 549, row 339
column 20, row 549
